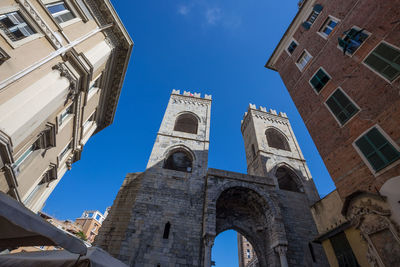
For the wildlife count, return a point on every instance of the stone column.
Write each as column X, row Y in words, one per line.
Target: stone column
column 208, row 243
column 281, row 250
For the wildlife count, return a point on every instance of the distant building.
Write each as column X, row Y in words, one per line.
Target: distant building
column 67, row 226
column 340, row 61
column 62, row 66
column 90, row 222
column 246, row 253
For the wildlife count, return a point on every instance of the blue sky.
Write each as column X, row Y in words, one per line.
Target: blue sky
column 217, row 47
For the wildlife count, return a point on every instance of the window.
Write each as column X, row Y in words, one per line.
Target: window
column 287, row 180
column 319, row 80
column 89, row 122
column 166, row 230
column 303, row 60
column 352, row 40
column 60, row 11
column 187, row 123
column 15, row 26
column 21, row 159
column 65, row 114
column 385, row 59
column 313, row 16
column 292, row 47
column 64, row 152
column 3, row 56
column 276, row 140
column 50, row 175
column 98, row 217
column 343, row 251
column 253, row 150
column 341, row 106
column 328, row 26
column 377, row 149
column 179, row 161
column 248, row 253
column 94, row 84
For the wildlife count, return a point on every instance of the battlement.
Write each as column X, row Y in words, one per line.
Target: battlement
column 264, row 110
column 188, row 93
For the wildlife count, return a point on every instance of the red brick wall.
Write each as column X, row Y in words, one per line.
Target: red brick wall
column 378, row 99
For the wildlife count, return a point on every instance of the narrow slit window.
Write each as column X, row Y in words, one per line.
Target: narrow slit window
column 377, row 149
column 166, row 230
column 385, row 59
column 341, row 106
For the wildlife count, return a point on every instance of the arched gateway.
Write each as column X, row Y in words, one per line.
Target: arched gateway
column 170, row 214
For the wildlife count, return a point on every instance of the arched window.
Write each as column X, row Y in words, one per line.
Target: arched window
column 186, row 123
column 287, row 179
column 179, row 161
column 276, row 139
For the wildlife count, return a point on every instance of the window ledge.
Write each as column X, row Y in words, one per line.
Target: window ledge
column 69, row 22
column 16, row 44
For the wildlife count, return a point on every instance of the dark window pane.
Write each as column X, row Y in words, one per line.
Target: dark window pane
column 335, row 108
column 376, row 162
column 385, row 60
column 375, row 62
column 376, row 138
column 343, row 251
column 365, row 147
column 389, row 152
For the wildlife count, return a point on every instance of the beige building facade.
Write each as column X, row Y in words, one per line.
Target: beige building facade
column 62, row 66
column 247, row 255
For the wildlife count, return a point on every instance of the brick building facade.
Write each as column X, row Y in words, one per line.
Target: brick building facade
column 340, row 61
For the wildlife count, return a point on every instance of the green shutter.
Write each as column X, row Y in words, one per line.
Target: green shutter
column 341, row 106
column 385, row 59
column 377, row 149
column 319, row 80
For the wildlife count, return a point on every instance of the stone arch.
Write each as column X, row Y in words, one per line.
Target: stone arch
column 179, row 158
column 288, row 178
column 277, row 139
column 187, row 122
column 246, row 209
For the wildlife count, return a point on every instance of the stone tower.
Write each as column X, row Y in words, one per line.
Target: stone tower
column 157, row 216
column 170, row 214
column 272, row 150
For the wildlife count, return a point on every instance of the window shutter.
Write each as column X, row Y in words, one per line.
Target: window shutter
column 318, row 8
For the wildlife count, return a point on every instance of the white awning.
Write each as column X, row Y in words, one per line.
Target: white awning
column 21, row 227
column 95, row 257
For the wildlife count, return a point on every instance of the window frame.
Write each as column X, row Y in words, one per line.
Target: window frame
column 373, row 70
column 71, row 5
column 62, row 122
column 28, row 20
column 290, row 42
column 321, row 30
column 68, row 149
column 357, row 28
column 351, row 100
column 366, row 161
column 89, row 122
column 312, row 76
column 308, row 62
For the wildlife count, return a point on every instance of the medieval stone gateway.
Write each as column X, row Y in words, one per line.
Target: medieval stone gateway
column 170, row 214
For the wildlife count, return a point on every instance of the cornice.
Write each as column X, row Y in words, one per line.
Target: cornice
column 190, row 100
column 300, row 17
column 104, row 13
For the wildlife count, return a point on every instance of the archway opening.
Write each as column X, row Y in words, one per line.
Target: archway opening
column 179, row 160
column 287, row 180
column 243, row 210
column 233, row 249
